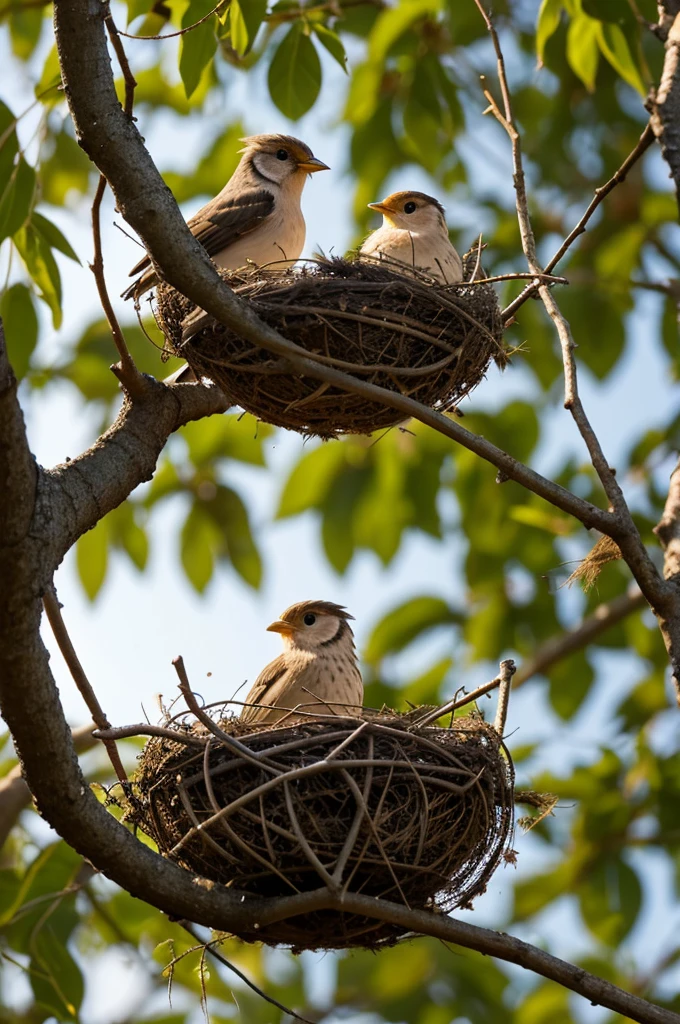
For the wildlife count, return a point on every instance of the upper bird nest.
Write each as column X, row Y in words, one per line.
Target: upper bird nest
column 375, row 805
column 405, row 333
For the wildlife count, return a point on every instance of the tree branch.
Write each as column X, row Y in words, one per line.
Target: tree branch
column 561, row 646
column 114, row 144
column 664, row 102
column 82, row 491
column 668, row 528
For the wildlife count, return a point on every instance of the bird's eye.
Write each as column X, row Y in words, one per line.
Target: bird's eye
column 309, row 619
column 410, row 207
column 282, row 154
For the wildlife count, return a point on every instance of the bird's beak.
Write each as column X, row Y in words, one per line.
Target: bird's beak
column 282, row 627
column 312, row 165
column 380, row 207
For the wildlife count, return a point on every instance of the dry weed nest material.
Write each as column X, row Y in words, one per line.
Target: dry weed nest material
column 428, row 341
column 418, row 816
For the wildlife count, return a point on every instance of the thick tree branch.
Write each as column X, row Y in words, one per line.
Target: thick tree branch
column 112, row 141
column 668, row 528
column 82, row 491
column 664, row 102
column 18, row 471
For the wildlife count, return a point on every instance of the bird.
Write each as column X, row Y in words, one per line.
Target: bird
column 318, row 666
column 414, row 233
column 256, row 217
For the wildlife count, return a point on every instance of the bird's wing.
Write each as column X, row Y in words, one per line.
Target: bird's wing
column 222, row 221
column 261, row 688
column 219, row 224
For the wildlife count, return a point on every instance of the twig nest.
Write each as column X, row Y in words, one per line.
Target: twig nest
column 379, row 806
column 429, row 341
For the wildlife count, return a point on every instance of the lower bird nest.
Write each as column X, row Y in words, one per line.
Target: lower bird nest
column 406, row 333
column 377, row 806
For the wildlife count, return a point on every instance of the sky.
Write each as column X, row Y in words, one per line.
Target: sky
column 127, row 638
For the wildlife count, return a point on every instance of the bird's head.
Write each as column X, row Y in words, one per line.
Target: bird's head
column 313, row 625
column 279, row 158
column 412, row 211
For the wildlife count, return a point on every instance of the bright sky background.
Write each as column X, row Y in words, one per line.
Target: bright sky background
column 127, row 638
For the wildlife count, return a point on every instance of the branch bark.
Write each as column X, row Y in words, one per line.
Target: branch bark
column 664, row 102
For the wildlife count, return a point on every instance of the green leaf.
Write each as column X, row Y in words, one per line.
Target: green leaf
column 199, row 546
column 198, row 46
column 231, row 436
column 21, row 326
column 53, row 236
column 56, row 980
column 310, row 480
column 670, row 325
column 295, row 73
column 44, row 881
column 25, row 28
column 570, row 682
column 245, row 18
column 231, row 516
column 41, row 265
column 64, row 171
column 583, row 51
column 47, row 90
column 333, row 43
column 605, row 10
column 614, row 46
column 9, row 146
column 610, row 897
column 395, row 21
column 545, row 1005
column 92, row 552
column 549, row 16
column 404, row 623
column 17, row 199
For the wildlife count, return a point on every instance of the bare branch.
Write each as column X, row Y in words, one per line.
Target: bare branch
column 18, row 471
column 668, row 528
column 559, row 647
column 664, row 102
column 53, row 612
column 601, row 193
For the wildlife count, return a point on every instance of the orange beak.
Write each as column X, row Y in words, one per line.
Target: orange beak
column 380, row 207
column 312, row 165
column 282, row 627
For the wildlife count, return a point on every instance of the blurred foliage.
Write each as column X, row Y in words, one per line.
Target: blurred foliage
column 404, row 77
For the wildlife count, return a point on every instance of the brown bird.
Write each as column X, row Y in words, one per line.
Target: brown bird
column 318, row 666
column 415, row 234
column 257, row 216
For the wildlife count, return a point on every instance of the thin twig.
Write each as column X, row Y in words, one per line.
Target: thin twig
column 211, row 948
column 643, row 144
column 54, row 616
column 229, row 741
column 457, row 702
column 507, row 671
column 127, row 372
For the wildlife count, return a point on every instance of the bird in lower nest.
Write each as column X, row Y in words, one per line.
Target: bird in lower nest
column 415, row 234
column 256, row 217
column 317, row 667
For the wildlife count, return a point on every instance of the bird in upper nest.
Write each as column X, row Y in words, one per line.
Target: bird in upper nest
column 415, row 234
column 318, row 666
column 256, row 217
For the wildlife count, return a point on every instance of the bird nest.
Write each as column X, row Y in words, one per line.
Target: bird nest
column 406, row 333
column 374, row 805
